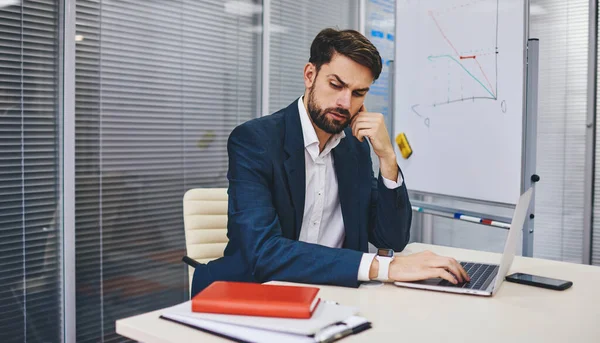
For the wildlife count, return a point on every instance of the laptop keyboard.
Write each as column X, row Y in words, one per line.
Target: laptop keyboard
column 481, row 276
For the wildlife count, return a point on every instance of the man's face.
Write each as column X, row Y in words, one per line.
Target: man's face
column 336, row 93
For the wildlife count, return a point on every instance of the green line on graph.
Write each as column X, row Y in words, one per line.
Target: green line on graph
column 430, row 58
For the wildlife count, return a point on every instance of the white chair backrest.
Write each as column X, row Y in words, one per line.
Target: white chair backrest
column 205, row 224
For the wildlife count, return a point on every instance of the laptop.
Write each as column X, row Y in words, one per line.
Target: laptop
column 485, row 278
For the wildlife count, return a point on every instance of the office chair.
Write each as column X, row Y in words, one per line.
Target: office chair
column 205, row 224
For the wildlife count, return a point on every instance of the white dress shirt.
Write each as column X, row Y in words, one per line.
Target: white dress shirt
column 322, row 222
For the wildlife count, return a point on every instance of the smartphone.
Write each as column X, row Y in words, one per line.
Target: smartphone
column 539, row 281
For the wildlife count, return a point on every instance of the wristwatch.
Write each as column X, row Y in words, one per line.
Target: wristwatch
column 385, row 257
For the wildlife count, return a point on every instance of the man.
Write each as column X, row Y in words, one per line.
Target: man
column 303, row 202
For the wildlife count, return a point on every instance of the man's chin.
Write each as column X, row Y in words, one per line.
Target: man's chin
column 328, row 124
column 333, row 129
column 338, row 127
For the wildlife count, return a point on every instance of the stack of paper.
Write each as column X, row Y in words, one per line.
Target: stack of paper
column 328, row 322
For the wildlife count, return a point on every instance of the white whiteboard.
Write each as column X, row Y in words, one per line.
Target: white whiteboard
column 459, row 92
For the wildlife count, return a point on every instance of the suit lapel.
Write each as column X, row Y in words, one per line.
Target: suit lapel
column 346, row 170
column 294, row 164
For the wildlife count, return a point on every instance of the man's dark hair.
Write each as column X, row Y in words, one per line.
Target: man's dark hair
column 349, row 43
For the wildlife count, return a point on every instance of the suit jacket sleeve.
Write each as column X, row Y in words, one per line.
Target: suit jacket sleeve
column 254, row 223
column 390, row 216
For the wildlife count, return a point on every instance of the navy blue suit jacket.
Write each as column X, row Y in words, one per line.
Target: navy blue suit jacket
column 266, row 204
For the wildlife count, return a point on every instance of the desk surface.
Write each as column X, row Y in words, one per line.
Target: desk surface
column 517, row 313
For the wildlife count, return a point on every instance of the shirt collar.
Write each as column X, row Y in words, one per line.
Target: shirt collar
column 310, row 135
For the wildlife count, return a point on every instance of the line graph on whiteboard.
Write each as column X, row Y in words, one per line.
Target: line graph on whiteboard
column 462, row 56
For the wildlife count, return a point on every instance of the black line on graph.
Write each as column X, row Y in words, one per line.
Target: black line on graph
column 473, row 98
column 497, row 24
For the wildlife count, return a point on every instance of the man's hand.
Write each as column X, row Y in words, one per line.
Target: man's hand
column 372, row 125
column 422, row 266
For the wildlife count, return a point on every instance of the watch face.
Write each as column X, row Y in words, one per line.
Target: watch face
column 385, row 252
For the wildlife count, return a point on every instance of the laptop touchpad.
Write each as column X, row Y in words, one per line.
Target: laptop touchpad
column 431, row 282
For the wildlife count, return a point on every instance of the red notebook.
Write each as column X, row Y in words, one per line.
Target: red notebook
column 254, row 299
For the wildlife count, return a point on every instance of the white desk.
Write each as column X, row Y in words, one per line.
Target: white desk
column 517, row 313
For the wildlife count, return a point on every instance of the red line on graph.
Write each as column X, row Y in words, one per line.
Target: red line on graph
column 486, row 78
column 442, row 32
column 456, row 51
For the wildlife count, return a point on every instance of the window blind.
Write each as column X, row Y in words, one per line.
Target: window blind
column 562, row 28
column 159, row 87
column 294, row 25
column 30, row 272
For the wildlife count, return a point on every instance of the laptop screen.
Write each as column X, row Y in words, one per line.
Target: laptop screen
column 515, row 232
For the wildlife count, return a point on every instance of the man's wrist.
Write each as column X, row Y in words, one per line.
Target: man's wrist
column 389, row 167
column 388, row 158
column 374, row 270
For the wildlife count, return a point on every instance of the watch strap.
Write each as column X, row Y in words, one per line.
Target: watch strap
column 384, row 268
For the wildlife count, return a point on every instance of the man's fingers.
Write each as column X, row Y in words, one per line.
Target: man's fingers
column 458, row 270
column 452, row 265
column 462, row 271
column 455, row 268
column 358, row 118
column 364, row 118
column 356, row 131
column 357, row 126
column 446, row 263
column 362, row 133
column 442, row 273
column 429, row 265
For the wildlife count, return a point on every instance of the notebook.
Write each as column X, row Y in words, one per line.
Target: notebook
column 253, row 299
column 328, row 323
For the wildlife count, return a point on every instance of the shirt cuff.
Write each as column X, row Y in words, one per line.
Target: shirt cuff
column 365, row 267
column 391, row 184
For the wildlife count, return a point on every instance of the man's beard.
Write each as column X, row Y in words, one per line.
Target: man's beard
column 319, row 116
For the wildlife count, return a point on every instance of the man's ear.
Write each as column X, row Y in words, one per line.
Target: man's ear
column 310, row 74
